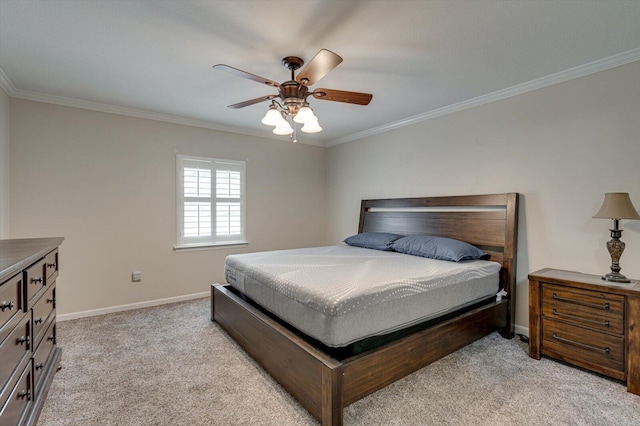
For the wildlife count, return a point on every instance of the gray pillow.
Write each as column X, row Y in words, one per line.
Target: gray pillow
column 373, row 240
column 438, row 248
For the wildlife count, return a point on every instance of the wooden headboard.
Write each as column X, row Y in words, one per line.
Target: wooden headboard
column 489, row 222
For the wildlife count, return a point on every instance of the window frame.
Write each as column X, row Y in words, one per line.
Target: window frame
column 213, row 164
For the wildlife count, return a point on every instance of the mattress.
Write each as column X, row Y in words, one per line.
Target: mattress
column 342, row 294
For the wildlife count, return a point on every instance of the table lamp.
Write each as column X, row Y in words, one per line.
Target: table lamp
column 616, row 206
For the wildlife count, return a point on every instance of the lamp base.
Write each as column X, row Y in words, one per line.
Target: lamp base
column 616, row 277
column 615, row 248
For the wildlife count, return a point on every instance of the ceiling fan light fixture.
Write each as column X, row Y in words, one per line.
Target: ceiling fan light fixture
column 283, row 128
column 293, row 107
column 311, row 127
column 305, row 115
column 272, row 117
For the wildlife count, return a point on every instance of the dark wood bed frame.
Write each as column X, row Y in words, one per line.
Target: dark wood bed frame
column 325, row 385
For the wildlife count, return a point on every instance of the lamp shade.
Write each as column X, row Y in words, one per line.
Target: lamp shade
column 617, row 205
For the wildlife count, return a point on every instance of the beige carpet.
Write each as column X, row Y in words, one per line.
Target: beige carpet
column 170, row 365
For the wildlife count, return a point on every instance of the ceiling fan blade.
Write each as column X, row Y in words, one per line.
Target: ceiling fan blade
column 253, row 101
column 324, row 61
column 244, row 74
column 343, row 96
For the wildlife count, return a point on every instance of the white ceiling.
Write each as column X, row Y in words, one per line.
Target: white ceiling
column 418, row 58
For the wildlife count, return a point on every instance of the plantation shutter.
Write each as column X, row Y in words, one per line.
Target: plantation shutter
column 197, row 202
column 211, row 201
column 228, row 201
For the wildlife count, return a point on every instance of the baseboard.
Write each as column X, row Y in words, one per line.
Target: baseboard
column 522, row 330
column 130, row 306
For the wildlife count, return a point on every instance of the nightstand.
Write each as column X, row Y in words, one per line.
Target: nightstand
column 586, row 321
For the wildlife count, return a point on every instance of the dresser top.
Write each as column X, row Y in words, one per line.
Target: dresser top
column 15, row 255
column 593, row 282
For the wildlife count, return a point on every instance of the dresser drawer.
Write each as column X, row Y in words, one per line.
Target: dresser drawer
column 11, row 306
column 42, row 310
column 51, row 266
column 43, row 352
column 35, row 281
column 581, row 346
column 18, row 397
column 14, row 348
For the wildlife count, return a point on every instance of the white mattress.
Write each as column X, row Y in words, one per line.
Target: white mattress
column 342, row 294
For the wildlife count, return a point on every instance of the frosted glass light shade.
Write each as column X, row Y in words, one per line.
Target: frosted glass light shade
column 283, row 128
column 272, row 117
column 311, row 127
column 304, row 115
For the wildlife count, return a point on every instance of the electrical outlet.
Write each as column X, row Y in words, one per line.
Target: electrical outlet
column 136, row 276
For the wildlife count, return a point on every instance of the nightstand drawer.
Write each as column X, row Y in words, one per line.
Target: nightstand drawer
column 591, row 303
column 586, row 348
column 584, row 316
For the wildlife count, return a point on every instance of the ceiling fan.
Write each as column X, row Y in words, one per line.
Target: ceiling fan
column 293, row 94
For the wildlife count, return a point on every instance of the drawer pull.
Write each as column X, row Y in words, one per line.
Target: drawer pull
column 606, row 322
column 52, row 300
column 7, row 305
column 40, row 366
column 22, row 340
column 52, row 339
column 38, row 320
column 52, row 265
column 37, row 280
column 26, row 393
column 578, row 302
column 582, row 345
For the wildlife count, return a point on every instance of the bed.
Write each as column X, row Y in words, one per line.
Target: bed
column 325, row 378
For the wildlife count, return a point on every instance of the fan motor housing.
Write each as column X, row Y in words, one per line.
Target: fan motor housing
column 293, row 93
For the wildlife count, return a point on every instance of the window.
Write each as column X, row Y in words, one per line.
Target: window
column 211, row 202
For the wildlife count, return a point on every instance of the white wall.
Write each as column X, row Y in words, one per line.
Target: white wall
column 107, row 184
column 561, row 147
column 4, row 165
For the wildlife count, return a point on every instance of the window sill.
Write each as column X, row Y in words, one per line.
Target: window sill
column 208, row 246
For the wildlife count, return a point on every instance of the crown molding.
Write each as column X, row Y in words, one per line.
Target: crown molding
column 6, row 85
column 539, row 83
column 120, row 110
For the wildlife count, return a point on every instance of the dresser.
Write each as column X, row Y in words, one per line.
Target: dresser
column 585, row 321
column 29, row 356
